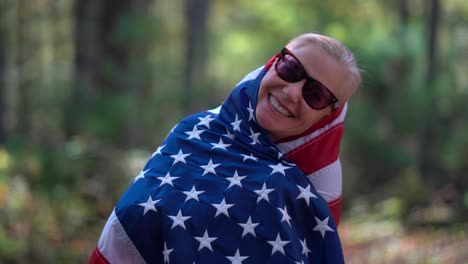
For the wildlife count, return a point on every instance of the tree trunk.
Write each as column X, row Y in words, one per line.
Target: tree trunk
column 3, row 72
column 196, row 18
column 429, row 167
column 24, row 55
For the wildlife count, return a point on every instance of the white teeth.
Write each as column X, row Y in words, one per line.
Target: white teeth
column 278, row 107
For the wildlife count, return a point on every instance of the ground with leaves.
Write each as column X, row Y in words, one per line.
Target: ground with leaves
column 390, row 242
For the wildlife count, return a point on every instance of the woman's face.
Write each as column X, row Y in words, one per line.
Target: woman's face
column 281, row 109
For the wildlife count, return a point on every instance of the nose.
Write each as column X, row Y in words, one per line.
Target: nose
column 293, row 91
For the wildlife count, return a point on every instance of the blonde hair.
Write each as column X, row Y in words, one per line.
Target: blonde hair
column 336, row 50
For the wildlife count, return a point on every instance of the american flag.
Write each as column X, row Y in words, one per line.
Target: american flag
column 218, row 190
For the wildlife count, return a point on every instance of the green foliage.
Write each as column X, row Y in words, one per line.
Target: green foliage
column 57, row 188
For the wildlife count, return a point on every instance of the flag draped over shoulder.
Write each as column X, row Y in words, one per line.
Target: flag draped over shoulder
column 219, row 191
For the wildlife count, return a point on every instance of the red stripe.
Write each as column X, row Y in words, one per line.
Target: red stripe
column 270, row 62
column 97, row 257
column 335, row 208
column 319, row 152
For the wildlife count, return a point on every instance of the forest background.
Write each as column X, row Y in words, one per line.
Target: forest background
column 89, row 89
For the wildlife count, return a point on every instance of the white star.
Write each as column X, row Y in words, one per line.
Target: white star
column 251, row 112
column 192, row 194
column 210, row 167
column 180, row 157
column 237, row 258
column 322, row 226
column 222, row 208
column 236, row 124
column 220, row 144
column 249, row 227
column 306, row 194
column 285, row 214
column 149, row 205
column 263, row 193
column 280, row 155
column 205, row 241
column 254, row 137
column 278, row 245
column 195, row 133
column 166, row 253
column 167, row 180
column 235, row 180
column 141, row 175
column 278, row 168
column 305, row 249
column 158, row 151
column 249, row 157
column 229, row 134
column 179, row 220
column 205, row 121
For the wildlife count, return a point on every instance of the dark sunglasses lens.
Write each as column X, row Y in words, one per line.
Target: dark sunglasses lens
column 316, row 96
column 289, row 69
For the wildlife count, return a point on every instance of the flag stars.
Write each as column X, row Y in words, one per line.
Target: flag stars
column 305, row 249
column 205, row 121
column 220, row 144
column 178, row 220
column 166, row 252
column 249, row 227
column 222, row 208
column 285, row 217
column 192, row 194
column 209, row 168
column 180, row 157
column 280, row 155
column 167, row 179
column 263, row 193
column 237, row 258
column 249, row 157
column 141, row 175
column 278, row 245
column 229, row 134
column 158, row 151
column 205, row 241
column 254, row 137
column 322, row 226
column 149, row 205
column 236, row 124
column 251, row 112
column 195, row 133
column 235, row 180
column 278, row 168
column 306, row 194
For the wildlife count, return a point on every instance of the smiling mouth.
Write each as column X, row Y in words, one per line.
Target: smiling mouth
column 276, row 105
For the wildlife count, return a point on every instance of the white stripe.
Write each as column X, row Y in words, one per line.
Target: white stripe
column 252, row 75
column 115, row 245
column 328, row 181
column 290, row 145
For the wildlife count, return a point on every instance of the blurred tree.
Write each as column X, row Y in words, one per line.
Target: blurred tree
column 25, row 79
column 196, row 46
column 431, row 130
column 85, row 61
column 107, row 52
column 3, row 71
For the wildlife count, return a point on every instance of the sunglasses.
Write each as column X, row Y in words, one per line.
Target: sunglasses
column 316, row 95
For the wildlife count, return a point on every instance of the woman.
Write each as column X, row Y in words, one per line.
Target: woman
column 257, row 180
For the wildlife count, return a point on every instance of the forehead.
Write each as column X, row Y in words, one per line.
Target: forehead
column 322, row 67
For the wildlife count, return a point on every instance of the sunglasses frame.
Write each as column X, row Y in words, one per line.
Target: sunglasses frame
column 333, row 101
